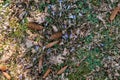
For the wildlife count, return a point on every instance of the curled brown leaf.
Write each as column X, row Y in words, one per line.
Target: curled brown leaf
column 56, row 35
column 114, row 13
column 62, row 70
column 51, row 44
column 3, row 67
column 7, row 75
column 47, row 73
column 34, row 26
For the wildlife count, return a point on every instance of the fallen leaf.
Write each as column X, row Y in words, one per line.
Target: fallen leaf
column 3, row 67
column 7, row 75
column 65, row 52
column 56, row 35
column 62, row 70
column 31, row 35
column 46, row 73
column 114, row 13
column 54, row 28
column 39, row 17
column 34, row 26
column 40, row 64
column 57, row 60
column 51, row 44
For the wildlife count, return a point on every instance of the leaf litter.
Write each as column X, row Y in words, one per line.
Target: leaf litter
column 34, row 26
column 71, row 40
column 62, row 70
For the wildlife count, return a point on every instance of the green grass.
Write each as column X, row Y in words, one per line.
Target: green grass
column 79, row 73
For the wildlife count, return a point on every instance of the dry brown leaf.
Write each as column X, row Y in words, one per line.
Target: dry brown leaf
column 7, row 75
column 47, row 73
column 34, row 26
column 3, row 67
column 51, row 44
column 40, row 64
column 114, row 13
column 62, row 70
column 56, row 35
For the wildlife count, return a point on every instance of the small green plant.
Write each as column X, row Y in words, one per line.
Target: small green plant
column 42, row 6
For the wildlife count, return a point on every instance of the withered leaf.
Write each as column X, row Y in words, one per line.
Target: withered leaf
column 114, row 13
column 62, row 70
column 34, row 26
column 40, row 64
column 3, row 67
column 56, row 35
column 51, row 44
column 7, row 75
column 47, row 73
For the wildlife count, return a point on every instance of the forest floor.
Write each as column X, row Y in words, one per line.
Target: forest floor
column 59, row 40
